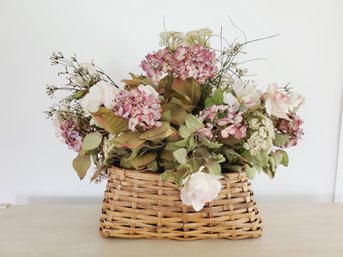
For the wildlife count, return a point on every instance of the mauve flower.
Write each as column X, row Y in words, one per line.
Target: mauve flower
column 238, row 132
column 290, row 127
column 193, row 61
column 71, row 135
column 142, row 109
column 199, row 189
column 102, row 93
column 206, row 131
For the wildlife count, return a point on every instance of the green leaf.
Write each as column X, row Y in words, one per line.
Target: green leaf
column 259, row 161
column 79, row 94
column 283, row 157
column 194, row 164
column 109, row 121
column 210, row 144
column 129, row 139
column 91, row 141
column 157, row 133
column 177, row 113
column 193, row 123
column 233, row 156
column 180, row 155
column 251, row 172
column 176, row 145
column 138, row 80
column 281, row 140
column 272, row 164
column 214, row 168
column 166, row 116
column 188, row 88
column 168, row 175
column 185, row 132
column 81, row 164
column 141, row 162
column 192, row 143
column 216, row 98
column 182, row 172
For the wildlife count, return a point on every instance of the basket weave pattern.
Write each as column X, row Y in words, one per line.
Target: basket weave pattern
column 140, row 205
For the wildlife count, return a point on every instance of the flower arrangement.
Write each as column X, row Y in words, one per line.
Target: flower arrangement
column 190, row 117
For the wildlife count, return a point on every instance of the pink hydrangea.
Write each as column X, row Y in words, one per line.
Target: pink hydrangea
column 230, row 122
column 71, row 135
column 140, row 108
column 206, row 131
column 291, row 127
column 185, row 62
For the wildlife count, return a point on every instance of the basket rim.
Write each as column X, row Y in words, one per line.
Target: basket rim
column 148, row 173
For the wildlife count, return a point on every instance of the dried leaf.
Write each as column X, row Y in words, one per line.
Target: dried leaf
column 109, row 121
column 91, row 141
column 81, row 164
column 129, row 139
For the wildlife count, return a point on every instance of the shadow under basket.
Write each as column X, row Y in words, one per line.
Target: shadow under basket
column 139, row 205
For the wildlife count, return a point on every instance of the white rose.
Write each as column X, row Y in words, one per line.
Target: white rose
column 232, row 101
column 279, row 102
column 276, row 102
column 102, row 93
column 295, row 101
column 199, row 189
column 148, row 90
column 247, row 94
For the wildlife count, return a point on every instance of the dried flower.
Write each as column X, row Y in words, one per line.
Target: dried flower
column 140, row 108
column 71, row 134
column 262, row 134
column 280, row 103
column 185, row 62
column 199, row 189
column 102, row 93
column 290, row 127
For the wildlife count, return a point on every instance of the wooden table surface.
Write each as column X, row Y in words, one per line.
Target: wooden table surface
column 292, row 230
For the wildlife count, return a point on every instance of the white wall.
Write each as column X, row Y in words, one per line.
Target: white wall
column 117, row 34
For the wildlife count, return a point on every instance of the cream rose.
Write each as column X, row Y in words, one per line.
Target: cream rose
column 276, row 102
column 247, row 94
column 199, row 189
column 102, row 93
column 280, row 103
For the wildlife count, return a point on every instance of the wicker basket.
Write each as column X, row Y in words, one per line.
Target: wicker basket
column 140, row 205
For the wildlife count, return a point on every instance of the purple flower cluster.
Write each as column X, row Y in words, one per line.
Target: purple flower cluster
column 140, row 108
column 232, row 121
column 291, row 127
column 71, row 135
column 193, row 61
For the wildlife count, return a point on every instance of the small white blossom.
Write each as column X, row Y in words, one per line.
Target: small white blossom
column 262, row 137
column 87, row 71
